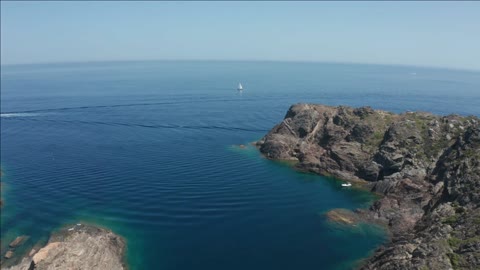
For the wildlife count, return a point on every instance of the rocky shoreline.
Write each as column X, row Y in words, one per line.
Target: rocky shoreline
column 77, row 246
column 426, row 167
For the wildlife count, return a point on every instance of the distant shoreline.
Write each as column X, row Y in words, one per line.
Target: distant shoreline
column 90, row 62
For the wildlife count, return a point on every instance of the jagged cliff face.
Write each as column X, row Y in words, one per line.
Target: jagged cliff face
column 426, row 166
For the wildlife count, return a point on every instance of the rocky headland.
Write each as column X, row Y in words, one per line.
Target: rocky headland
column 77, row 246
column 426, row 167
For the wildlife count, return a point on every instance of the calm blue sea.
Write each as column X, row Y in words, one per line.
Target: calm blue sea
column 148, row 150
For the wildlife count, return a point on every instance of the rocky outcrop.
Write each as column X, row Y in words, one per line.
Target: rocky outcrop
column 77, row 247
column 425, row 166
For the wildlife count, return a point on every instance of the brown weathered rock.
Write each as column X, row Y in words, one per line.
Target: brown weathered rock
column 83, row 247
column 32, row 252
column 426, row 166
column 17, row 242
column 9, row 254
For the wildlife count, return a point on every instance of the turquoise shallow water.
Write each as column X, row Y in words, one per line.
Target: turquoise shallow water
column 147, row 149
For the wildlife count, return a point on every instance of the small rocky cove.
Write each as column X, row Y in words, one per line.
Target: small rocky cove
column 425, row 167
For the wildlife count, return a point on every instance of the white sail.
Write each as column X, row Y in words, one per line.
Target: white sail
column 240, row 87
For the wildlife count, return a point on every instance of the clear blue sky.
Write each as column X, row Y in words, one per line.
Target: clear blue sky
column 441, row 34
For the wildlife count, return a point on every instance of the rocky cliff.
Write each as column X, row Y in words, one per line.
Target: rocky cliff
column 77, row 247
column 425, row 166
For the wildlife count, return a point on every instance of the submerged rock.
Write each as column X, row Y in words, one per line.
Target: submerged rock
column 84, row 247
column 8, row 254
column 343, row 216
column 18, row 241
column 426, row 168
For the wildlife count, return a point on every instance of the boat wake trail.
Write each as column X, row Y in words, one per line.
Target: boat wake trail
column 128, row 105
column 18, row 114
column 193, row 127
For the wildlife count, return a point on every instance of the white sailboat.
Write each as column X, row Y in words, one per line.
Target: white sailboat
column 240, row 87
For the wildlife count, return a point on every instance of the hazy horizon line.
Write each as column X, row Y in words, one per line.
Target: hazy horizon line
column 239, row 60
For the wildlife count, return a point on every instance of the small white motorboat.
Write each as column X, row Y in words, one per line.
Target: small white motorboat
column 346, row 185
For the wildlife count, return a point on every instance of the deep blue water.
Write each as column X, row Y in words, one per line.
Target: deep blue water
column 148, row 150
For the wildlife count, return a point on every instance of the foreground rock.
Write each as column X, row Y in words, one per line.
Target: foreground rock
column 426, row 167
column 78, row 247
